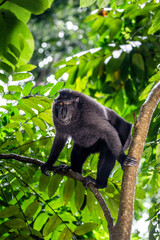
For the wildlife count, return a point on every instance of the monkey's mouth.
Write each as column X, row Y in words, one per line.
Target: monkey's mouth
column 64, row 121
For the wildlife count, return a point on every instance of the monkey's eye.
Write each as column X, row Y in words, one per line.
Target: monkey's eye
column 60, row 103
column 67, row 103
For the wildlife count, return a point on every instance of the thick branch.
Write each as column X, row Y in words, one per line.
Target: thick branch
column 122, row 229
column 70, row 174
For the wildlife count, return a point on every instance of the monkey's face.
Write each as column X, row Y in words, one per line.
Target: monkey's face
column 65, row 110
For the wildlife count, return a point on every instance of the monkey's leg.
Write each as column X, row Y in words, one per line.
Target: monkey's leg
column 105, row 166
column 78, row 156
column 114, row 143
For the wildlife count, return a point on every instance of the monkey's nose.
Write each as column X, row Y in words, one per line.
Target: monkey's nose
column 64, row 112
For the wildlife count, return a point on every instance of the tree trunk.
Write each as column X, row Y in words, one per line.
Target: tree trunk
column 122, row 229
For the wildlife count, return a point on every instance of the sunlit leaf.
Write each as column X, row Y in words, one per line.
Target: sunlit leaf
column 31, row 209
column 85, row 228
column 86, row 3
column 40, row 221
column 28, row 130
column 20, row 76
column 27, row 88
column 9, row 211
column 90, row 200
column 51, row 225
column 35, row 7
column 56, row 88
column 79, row 195
column 68, row 190
column 54, row 184
column 15, row 223
column 66, row 234
column 14, row 88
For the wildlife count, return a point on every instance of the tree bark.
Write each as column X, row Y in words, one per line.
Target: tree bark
column 122, row 229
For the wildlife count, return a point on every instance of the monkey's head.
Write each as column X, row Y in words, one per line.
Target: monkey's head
column 66, row 108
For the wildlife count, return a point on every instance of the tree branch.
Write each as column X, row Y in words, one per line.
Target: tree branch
column 70, row 174
column 122, row 229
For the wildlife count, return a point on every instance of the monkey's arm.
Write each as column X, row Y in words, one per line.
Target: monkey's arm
column 58, row 145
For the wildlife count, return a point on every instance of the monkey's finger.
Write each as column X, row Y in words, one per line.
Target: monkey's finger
column 88, row 180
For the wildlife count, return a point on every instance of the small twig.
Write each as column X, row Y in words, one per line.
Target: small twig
column 3, row 2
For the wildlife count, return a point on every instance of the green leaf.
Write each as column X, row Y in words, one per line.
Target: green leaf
column 15, row 223
column 27, row 88
column 9, row 97
column 86, row 3
column 18, row 118
column 40, row 221
column 21, row 13
column 72, row 75
column 10, row 58
column 26, row 109
column 36, row 7
column 140, row 193
column 25, row 68
column 36, row 90
column 43, row 182
column 19, row 137
column 90, row 200
column 14, row 88
column 155, row 24
column 15, row 32
column 38, row 122
column 146, row 91
column 1, row 89
column 68, row 190
column 14, row 50
column 46, row 118
column 85, row 228
column 97, row 24
column 61, row 71
column 3, row 78
column 66, row 234
column 155, row 78
column 7, row 68
column 138, row 65
column 12, row 125
column 20, row 76
column 28, row 130
column 51, row 225
column 32, row 209
column 54, row 184
column 79, row 195
column 9, row 211
column 102, row 3
column 56, row 88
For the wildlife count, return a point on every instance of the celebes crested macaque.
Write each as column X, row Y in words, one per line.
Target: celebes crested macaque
column 93, row 128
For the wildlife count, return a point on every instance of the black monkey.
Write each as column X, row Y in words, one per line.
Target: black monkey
column 93, row 128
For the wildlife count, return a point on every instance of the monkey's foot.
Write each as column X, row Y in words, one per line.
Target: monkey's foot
column 129, row 161
column 88, row 180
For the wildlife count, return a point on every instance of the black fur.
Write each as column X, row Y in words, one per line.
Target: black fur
column 93, row 128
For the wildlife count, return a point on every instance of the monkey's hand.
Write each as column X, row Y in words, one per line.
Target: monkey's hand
column 61, row 167
column 45, row 167
column 129, row 161
column 88, row 180
column 49, row 167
